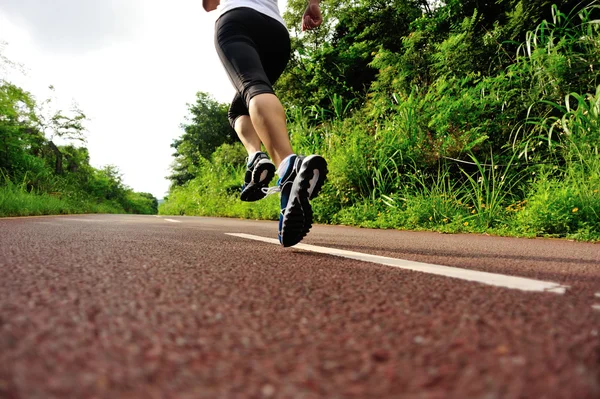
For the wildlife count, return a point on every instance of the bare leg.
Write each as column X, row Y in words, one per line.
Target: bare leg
column 247, row 134
column 268, row 119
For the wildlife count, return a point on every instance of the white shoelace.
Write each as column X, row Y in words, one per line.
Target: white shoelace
column 271, row 190
column 275, row 189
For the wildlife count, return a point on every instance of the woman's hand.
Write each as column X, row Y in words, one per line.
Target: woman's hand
column 312, row 16
column 210, row 5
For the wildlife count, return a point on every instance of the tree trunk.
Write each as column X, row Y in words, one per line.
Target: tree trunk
column 4, row 153
column 58, row 167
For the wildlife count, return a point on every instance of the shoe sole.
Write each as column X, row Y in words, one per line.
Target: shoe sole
column 314, row 163
column 297, row 219
column 293, row 223
column 253, row 191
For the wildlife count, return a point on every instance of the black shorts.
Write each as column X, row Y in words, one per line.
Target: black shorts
column 254, row 50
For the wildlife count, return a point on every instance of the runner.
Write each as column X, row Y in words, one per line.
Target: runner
column 253, row 44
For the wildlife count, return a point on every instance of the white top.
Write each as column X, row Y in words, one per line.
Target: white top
column 266, row 7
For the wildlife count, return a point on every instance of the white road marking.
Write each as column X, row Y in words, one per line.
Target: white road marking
column 597, row 294
column 173, row 220
column 84, row 220
column 49, row 223
column 499, row 280
column 596, row 307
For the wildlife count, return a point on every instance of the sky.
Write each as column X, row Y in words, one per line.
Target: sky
column 130, row 65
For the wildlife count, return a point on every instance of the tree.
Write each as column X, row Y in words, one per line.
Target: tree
column 153, row 201
column 334, row 60
column 18, row 136
column 205, row 129
column 56, row 124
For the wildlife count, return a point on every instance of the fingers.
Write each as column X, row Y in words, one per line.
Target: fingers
column 306, row 23
column 309, row 23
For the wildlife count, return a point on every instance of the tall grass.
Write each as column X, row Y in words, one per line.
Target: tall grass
column 565, row 199
column 216, row 191
column 492, row 188
column 15, row 200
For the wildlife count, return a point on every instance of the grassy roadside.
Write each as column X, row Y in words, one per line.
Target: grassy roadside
column 17, row 202
column 512, row 150
column 216, row 193
column 562, row 205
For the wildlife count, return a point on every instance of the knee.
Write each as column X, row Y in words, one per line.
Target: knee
column 236, row 109
column 232, row 117
column 254, row 90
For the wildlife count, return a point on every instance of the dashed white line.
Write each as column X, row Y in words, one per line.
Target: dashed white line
column 173, row 220
column 596, row 307
column 499, row 280
column 84, row 220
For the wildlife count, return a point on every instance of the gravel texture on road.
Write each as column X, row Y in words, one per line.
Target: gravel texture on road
column 104, row 306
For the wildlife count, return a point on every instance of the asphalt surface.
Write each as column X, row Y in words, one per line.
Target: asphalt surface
column 104, row 306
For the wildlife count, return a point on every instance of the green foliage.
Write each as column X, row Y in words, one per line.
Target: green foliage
column 15, row 200
column 565, row 200
column 468, row 116
column 493, row 188
column 205, row 129
column 334, row 60
column 140, row 203
column 230, row 155
column 16, row 133
column 215, row 191
column 563, row 207
column 38, row 176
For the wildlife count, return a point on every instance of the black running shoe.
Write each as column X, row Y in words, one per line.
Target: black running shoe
column 259, row 174
column 301, row 182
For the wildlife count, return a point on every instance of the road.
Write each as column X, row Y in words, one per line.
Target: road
column 121, row 306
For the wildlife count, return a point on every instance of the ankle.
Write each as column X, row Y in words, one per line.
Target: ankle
column 283, row 166
column 252, row 156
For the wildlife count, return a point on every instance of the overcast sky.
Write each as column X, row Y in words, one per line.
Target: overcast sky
column 131, row 66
